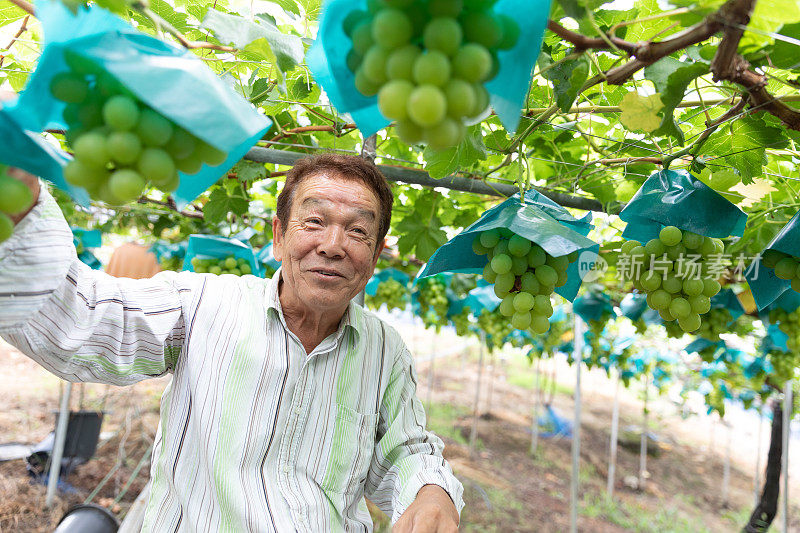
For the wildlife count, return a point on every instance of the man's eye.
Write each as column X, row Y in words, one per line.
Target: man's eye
column 360, row 231
column 313, row 221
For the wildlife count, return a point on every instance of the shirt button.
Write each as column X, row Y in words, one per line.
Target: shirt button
column 285, row 469
column 297, row 410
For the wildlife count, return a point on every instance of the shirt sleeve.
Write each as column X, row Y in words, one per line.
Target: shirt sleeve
column 407, row 457
column 82, row 324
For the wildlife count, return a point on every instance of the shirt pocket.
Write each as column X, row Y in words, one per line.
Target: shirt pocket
column 353, row 443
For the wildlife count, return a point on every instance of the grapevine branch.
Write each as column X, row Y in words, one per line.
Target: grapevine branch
column 16, row 36
column 727, row 64
column 23, row 5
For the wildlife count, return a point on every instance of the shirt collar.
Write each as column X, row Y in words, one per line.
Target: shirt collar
column 353, row 317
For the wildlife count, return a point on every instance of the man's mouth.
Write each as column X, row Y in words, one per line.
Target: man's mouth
column 326, row 272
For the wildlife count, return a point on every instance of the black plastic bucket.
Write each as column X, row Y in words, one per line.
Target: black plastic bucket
column 87, row 518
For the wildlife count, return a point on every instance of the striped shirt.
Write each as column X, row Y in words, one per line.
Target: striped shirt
column 255, row 434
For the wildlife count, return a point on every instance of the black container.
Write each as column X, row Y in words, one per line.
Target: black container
column 83, row 432
column 87, row 518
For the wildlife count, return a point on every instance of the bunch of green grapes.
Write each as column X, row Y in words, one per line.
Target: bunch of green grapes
column 462, row 322
column 119, row 142
column 496, row 327
column 390, row 292
column 786, row 267
column 678, row 285
column 524, row 276
column 428, row 60
column 227, row 265
column 714, row 323
column 15, row 198
column 433, row 302
column 593, row 335
column 674, row 330
column 171, row 263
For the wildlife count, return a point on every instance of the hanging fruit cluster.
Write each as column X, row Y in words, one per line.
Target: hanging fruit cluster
column 427, row 61
column 674, row 269
column 227, row 265
column 390, row 292
column 524, row 276
column 433, row 302
column 717, row 321
column 118, row 141
column 786, row 267
column 15, row 198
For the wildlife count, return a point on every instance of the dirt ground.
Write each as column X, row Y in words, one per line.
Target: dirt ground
column 506, row 490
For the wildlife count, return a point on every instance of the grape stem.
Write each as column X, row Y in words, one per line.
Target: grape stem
column 23, row 5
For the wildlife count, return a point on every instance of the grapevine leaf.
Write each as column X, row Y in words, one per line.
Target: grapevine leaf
column 441, row 163
column 249, row 171
column 220, row 204
column 640, row 112
column 568, row 77
column 784, row 54
column 741, row 145
column 497, row 141
column 754, row 191
column 260, row 37
column 10, row 13
column 671, row 77
column 420, row 235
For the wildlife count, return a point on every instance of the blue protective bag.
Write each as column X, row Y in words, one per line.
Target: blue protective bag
column 29, row 150
column 477, row 300
column 216, row 247
column 766, row 286
column 327, row 60
column 168, row 250
column 539, row 220
column 593, row 306
column 267, row 259
column 88, row 239
column 676, row 198
column 169, row 79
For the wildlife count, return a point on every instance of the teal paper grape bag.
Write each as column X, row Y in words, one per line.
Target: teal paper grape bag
column 170, row 80
column 328, row 56
column 762, row 278
column 539, row 220
column 29, row 150
column 84, row 239
column 216, row 247
column 676, row 198
column 384, row 275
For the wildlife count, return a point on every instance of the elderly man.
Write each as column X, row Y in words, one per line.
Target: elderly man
column 288, row 403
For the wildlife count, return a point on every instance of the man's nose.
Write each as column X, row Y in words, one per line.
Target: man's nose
column 332, row 243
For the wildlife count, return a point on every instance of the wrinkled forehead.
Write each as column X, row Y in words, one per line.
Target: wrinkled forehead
column 331, row 191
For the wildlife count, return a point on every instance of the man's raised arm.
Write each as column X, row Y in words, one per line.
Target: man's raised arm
column 409, row 479
column 82, row 324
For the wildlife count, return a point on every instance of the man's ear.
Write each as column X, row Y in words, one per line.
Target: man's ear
column 378, row 250
column 277, row 239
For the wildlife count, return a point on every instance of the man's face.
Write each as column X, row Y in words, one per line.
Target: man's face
column 328, row 249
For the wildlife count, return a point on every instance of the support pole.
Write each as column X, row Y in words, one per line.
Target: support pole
column 431, row 370
column 757, row 475
column 58, row 445
column 726, row 470
column 474, row 432
column 535, row 422
column 643, row 442
column 612, row 450
column 491, row 385
column 576, row 428
column 787, row 418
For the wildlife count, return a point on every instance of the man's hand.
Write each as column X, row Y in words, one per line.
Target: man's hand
column 431, row 512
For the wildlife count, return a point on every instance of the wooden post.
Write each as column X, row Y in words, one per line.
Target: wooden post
column 474, row 432
column 612, row 450
column 576, row 428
